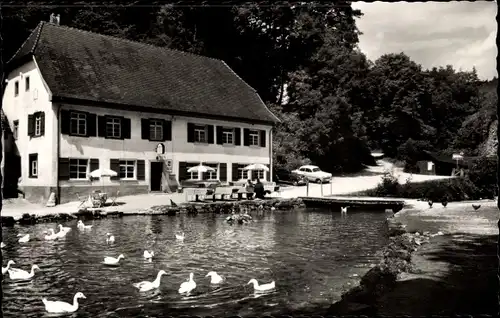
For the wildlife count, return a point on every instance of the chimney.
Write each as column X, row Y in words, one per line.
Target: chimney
column 54, row 19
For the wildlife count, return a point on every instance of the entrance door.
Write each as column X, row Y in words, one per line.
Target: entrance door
column 156, row 173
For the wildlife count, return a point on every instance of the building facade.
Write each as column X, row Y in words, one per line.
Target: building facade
column 149, row 118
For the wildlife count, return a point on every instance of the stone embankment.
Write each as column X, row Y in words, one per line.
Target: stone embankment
column 189, row 208
column 396, row 259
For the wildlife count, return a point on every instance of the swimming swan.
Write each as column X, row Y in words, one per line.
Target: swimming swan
column 216, row 278
column 61, row 306
column 2, row 245
column 61, row 233
column 110, row 238
column 113, row 261
column 51, row 236
column 5, row 269
column 83, row 226
column 19, row 274
column 188, row 286
column 264, row 287
column 145, row 285
column 63, row 228
column 24, row 238
column 180, row 237
column 149, row 255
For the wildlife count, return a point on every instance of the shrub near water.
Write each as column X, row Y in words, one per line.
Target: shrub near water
column 455, row 189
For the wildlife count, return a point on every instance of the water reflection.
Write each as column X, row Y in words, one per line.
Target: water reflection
column 310, row 255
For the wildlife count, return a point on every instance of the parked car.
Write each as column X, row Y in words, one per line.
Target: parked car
column 314, row 174
column 286, row 176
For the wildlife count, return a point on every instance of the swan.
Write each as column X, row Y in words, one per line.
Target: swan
column 149, row 255
column 51, row 236
column 180, row 237
column 110, row 238
column 62, row 228
column 113, row 261
column 83, row 226
column 61, row 306
column 188, row 286
column 24, row 238
column 263, row 287
column 5, row 269
column 19, row 274
column 2, row 245
column 273, row 208
column 145, row 285
column 61, row 233
column 216, row 278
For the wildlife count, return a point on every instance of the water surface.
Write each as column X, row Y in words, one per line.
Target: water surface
column 312, row 255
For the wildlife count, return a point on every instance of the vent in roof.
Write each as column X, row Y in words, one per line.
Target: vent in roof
column 55, row 19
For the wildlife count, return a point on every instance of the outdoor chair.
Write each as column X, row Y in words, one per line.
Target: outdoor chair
column 81, row 200
column 113, row 200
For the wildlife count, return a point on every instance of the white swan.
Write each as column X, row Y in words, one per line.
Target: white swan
column 2, row 245
column 5, row 269
column 110, row 238
column 61, row 233
column 149, row 255
column 51, row 236
column 145, row 285
column 19, row 274
column 83, row 226
column 113, row 261
column 60, row 307
column 24, row 238
column 343, row 209
column 180, row 237
column 263, row 287
column 188, row 286
column 62, row 228
column 215, row 278
column 273, row 208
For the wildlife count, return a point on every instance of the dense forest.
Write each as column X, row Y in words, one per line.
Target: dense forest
column 304, row 61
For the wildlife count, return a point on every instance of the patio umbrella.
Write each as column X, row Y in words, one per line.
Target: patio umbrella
column 256, row 166
column 103, row 172
column 200, row 168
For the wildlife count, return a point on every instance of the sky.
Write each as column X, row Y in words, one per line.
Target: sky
column 462, row 34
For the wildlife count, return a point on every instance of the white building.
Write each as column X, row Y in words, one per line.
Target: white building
column 76, row 101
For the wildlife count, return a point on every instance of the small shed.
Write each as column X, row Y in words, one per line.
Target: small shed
column 433, row 163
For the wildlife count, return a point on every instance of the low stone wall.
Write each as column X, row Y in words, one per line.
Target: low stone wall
column 188, row 208
column 361, row 300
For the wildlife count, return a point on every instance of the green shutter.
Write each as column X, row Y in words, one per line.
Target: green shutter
column 235, row 171
column 141, row 170
column 63, row 169
column 114, row 164
column 222, row 171
column 182, row 171
column 94, row 165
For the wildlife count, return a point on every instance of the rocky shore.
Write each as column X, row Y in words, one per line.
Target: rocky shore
column 226, row 207
column 396, row 259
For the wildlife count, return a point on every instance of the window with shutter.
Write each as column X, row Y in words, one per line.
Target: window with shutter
column 63, row 169
column 113, row 127
column 78, row 123
column 141, row 170
column 31, row 125
column 223, row 171
column 33, row 165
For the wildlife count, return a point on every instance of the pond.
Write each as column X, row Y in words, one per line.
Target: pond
column 313, row 256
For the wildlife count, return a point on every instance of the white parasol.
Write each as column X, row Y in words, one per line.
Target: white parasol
column 200, row 168
column 256, row 166
column 103, row 172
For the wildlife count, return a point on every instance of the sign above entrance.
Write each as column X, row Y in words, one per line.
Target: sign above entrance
column 160, row 149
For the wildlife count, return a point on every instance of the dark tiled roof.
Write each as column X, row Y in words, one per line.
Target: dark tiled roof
column 82, row 65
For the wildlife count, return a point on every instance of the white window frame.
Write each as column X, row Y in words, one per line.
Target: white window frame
column 260, row 174
column 200, row 134
column 242, row 174
column 79, row 163
column 155, row 129
column 15, row 129
column 77, row 118
column 126, row 164
column 113, row 127
column 254, row 138
column 228, row 136
column 38, row 125
column 193, row 174
column 212, row 175
column 34, row 168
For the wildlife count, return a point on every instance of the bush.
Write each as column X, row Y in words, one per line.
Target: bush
column 455, row 189
column 483, row 175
